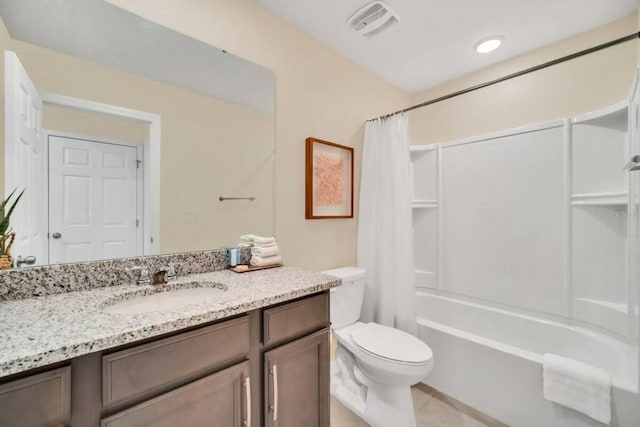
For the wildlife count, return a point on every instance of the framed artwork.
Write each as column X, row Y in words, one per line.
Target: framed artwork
column 329, row 180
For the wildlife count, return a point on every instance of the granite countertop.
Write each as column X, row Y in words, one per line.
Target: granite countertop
column 39, row 331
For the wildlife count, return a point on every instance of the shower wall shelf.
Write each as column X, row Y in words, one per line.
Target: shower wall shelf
column 418, row 204
column 425, row 167
column 613, row 117
column 534, row 218
column 602, row 199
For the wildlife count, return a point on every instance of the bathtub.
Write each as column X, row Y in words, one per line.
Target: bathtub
column 491, row 359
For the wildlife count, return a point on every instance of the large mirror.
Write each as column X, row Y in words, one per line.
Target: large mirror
column 126, row 137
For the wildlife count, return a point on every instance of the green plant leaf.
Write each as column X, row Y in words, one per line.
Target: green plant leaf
column 4, row 223
column 4, row 203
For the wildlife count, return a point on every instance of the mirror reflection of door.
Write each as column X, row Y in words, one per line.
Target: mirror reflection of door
column 83, row 196
column 24, row 161
column 94, row 199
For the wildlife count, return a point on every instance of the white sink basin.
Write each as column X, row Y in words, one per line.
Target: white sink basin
column 165, row 301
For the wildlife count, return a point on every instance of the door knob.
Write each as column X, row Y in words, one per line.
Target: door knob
column 56, row 235
column 30, row 260
column 632, row 165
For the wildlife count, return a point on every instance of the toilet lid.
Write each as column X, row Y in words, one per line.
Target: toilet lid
column 390, row 343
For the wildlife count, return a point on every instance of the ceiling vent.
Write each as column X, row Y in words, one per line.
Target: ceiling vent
column 373, row 19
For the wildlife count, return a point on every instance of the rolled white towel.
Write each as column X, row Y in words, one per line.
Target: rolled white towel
column 265, row 251
column 258, row 261
column 578, row 386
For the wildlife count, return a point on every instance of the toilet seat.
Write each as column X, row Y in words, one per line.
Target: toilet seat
column 389, row 344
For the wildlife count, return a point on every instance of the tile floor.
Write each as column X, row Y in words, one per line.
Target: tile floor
column 433, row 409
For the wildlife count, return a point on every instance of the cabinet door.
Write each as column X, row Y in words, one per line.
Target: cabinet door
column 297, row 383
column 38, row 400
column 220, row 399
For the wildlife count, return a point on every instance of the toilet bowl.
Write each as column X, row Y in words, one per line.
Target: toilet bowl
column 375, row 365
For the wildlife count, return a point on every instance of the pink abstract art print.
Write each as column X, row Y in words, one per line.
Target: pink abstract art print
column 329, row 180
column 328, row 171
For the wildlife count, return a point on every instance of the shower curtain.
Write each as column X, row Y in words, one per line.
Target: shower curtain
column 385, row 238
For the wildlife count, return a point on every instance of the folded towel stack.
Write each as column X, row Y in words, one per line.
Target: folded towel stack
column 264, row 250
column 578, row 386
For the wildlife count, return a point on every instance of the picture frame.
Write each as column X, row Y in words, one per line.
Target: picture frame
column 328, row 180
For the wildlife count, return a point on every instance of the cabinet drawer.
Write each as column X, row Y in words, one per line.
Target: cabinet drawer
column 216, row 400
column 39, row 400
column 149, row 367
column 295, row 319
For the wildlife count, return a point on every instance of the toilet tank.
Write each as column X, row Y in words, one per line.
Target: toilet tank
column 346, row 300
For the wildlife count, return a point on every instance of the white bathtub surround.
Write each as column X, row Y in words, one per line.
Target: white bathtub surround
column 385, row 243
column 480, row 347
column 578, row 386
column 527, row 242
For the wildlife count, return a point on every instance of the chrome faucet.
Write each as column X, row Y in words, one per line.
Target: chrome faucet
column 163, row 274
column 142, row 273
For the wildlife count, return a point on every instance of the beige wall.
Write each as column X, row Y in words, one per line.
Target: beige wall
column 209, row 147
column 581, row 85
column 319, row 93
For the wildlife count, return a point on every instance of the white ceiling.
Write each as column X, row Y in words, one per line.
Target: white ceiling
column 105, row 34
column 434, row 41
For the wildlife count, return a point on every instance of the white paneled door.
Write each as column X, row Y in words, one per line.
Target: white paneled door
column 24, row 161
column 93, row 200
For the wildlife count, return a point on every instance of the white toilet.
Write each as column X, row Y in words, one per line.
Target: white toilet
column 375, row 365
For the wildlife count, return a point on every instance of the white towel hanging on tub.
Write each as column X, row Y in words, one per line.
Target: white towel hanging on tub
column 578, row 386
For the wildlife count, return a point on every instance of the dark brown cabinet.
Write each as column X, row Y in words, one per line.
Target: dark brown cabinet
column 297, row 383
column 139, row 370
column 221, row 399
column 38, row 400
column 207, row 376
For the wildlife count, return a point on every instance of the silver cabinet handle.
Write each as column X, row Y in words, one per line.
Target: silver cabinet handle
column 30, row 260
column 247, row 390
column 274, row 372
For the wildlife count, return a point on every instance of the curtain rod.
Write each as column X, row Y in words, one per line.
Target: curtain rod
column 516, row 74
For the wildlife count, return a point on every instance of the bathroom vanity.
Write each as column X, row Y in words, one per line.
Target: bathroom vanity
column 256, row 355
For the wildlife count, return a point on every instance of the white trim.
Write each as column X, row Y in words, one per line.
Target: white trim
column 140, row 200
column 9, row 124
column 44, row 225
column 98, row 107
column 567, row 150
column 421, row 148
column 151, row 229
column 509, row 132
column 439, row 216
column 418, row 204
column 612, row 109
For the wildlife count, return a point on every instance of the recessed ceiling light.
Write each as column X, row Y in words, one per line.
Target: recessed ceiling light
column 489, row 44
